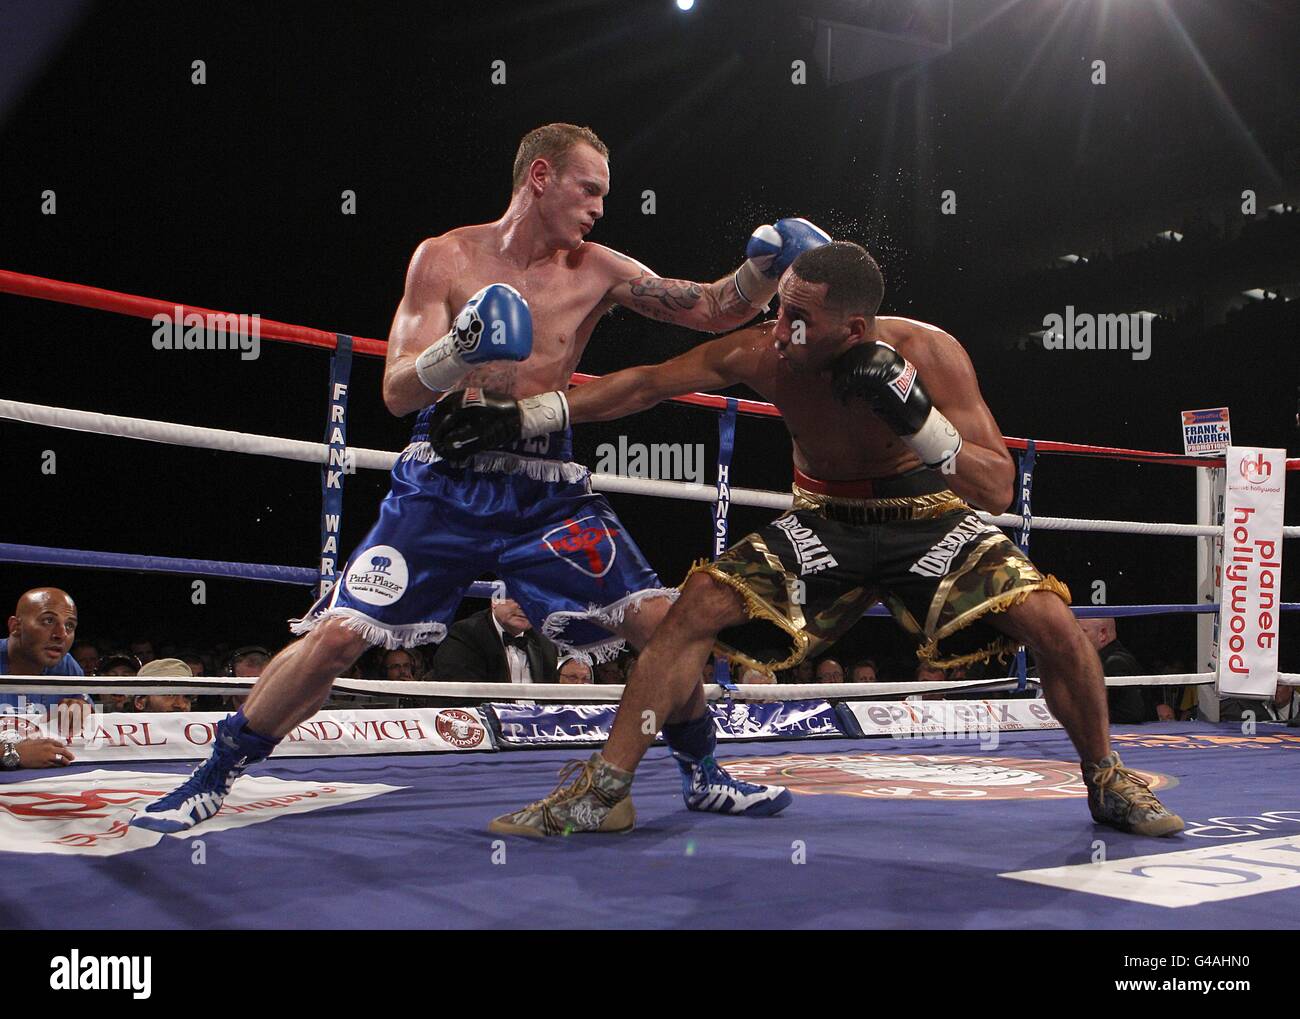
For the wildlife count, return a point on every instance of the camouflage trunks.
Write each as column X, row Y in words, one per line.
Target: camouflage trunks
column 809, row 575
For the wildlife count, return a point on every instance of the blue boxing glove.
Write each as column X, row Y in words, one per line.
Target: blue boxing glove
column 768, row 254
column 494, row 325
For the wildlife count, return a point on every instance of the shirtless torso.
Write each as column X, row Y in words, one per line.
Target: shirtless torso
column 832, row 440
column 567, row 293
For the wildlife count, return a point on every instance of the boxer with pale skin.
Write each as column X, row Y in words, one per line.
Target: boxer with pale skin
column 508, row 306
column 892, row 447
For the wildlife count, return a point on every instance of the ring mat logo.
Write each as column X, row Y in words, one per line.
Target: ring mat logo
column 923, row 776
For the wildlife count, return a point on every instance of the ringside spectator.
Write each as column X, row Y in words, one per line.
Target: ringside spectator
column 1128, row 704
column 403, row 665
column 575, row 670
column 157, row 669
column 830, row 671
column 87, row 656
column 497, row 645
column 865, row 671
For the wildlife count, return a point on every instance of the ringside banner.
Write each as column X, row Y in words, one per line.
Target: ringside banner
column 1252, row 574
column 539, row 725
column 938, row 718
column 181, row 735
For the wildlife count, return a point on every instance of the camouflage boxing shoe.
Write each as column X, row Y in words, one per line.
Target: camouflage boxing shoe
column 1121, row 798
column 595, row 800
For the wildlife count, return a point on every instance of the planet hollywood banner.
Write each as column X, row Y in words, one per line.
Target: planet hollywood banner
column 535, row 725
column 1252, row 575
column 181, row 735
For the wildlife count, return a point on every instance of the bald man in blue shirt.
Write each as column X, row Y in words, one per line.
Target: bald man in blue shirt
column 41, row 632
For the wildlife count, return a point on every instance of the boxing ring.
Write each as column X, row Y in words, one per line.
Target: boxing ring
column 417, row 855
column 896, row 824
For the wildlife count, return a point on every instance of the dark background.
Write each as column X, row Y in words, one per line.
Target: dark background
column 227, row 195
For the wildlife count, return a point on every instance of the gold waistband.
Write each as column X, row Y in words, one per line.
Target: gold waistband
column 879, row 511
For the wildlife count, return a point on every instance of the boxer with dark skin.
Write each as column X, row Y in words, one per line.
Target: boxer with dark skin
column 824, row 365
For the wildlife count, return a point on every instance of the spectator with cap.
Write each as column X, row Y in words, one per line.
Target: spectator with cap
column 116, row 664
column 160, row 668
column 496, row 645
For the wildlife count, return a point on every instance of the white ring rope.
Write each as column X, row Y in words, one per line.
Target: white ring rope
column 376, row 459
column 575, row 693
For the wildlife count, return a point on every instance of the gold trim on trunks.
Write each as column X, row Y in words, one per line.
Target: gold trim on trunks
column 879, row 511
column 755, row 608
column 945, row 586
column 1003, row 645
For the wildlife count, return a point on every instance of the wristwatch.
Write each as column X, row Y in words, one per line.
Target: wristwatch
column 9, row 760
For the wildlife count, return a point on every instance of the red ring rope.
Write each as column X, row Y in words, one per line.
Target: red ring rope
column 146, row 307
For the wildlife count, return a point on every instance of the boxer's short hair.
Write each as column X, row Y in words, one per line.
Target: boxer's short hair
column 852, row 277
column 552, row 142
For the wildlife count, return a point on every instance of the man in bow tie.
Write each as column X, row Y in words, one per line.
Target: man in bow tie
column 496, row 645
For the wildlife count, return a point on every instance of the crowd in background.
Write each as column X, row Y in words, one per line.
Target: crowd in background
column 499, row 644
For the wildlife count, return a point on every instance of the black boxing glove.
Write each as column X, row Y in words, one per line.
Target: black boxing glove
column 887, row 381
column 472, row 420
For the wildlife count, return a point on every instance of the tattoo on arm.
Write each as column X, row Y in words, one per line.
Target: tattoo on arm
column 498, row 377
column 664, row 299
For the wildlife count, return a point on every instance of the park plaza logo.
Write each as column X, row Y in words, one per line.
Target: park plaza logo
column 377, row 575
